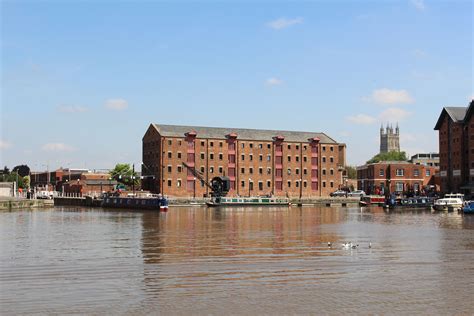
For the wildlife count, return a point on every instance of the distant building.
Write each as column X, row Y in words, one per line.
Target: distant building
column 428, row 159
column 456, row 149
column 258, row 162
column 53, row 180
column 396, row 176
column 92, row 184
column 389, row 139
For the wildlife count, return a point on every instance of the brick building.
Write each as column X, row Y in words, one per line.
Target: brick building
column 89, row 184
column 258, row 162
column 396, row 176
column 456, row 149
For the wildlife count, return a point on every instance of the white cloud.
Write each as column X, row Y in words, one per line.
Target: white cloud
column 283, row 23
column 116, row 104
column 4, row 144
column 419, row 4
column 72, row 109
column 408, row 138
column 361, row 119
column 419, row 53
column 388, row 96
column 273, row 81
column 394, row 114
column 57, row 147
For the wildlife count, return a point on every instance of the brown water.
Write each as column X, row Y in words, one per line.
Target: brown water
column 235, row 261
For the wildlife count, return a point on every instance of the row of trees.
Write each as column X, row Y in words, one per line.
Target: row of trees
column 19, row 174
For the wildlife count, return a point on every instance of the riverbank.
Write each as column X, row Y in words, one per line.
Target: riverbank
column 7, row 204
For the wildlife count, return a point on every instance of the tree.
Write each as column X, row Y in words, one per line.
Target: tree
column 26, row 182
column 390, row 156
column 351, row 172
column 23, row 170
column 123, row 174
column 5, row 170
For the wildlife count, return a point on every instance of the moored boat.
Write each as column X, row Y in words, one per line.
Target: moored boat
column 450, row 202
column 146, row 203
column 468, row 207
column 413, row 202
column 372, row 200
column 248, row 201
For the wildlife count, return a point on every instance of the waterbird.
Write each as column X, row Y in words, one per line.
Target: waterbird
column 370, row 245
column 354, row 246
column 329, row 244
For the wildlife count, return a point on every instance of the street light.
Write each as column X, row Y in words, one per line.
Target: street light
column 250, row 183
column 301, row 188
column 194, row 188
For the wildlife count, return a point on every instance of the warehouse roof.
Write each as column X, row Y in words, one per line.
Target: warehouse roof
column 242, row 133
column 456, row 114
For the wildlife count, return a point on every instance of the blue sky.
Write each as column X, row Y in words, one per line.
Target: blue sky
column 81, row 82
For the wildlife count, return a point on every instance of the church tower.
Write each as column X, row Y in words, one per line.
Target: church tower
column 389, row 139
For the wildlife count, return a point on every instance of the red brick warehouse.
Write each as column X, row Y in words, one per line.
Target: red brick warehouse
column 258, row 162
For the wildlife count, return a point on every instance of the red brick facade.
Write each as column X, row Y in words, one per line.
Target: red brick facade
column 398, row 176
column 276, row 164
column 456, row 150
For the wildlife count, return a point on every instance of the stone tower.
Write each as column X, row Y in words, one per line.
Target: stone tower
column 389, row 139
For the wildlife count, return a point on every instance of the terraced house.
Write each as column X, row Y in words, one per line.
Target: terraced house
column 456, row 149
column 258, row 162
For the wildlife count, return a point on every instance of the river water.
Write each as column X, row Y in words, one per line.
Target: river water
column 235, row 261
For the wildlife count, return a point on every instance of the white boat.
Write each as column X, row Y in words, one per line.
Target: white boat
column 450, row 202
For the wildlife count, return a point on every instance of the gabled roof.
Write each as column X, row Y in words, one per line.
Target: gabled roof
column 242, row 133
column 456, row 114
column 470, row 111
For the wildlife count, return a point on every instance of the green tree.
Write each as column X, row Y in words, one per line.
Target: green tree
column 123, row 173
column 13, row 177
column 351, row 172
column 390, row 156
column 26, row 182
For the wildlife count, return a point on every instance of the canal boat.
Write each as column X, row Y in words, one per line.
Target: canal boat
column 146, row 203
column 450, row 202
column 248, row 201
column 409, row 203
column 468, row 207
column 372, row 200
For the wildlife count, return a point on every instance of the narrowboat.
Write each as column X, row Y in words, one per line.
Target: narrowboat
column 248, row 201
column 413, row 202
column 468, row 207
column 372, row 200
column 145, row 203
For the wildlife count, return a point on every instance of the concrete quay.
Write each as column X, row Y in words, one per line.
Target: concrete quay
column 7, row 204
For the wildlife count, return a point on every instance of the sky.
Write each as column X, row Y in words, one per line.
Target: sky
column 81, row 81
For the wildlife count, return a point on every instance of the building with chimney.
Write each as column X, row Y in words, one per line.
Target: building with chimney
column 258, row 162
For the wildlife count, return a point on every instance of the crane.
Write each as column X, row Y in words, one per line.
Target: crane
column 219, row 186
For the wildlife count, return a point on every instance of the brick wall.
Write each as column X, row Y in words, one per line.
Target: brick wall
column 255, row 165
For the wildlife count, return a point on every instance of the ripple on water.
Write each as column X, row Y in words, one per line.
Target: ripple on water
column 257, row 261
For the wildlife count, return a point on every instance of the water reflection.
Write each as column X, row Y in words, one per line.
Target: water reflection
column 236, row 260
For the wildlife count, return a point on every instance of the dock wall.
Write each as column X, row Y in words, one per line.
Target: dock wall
column 16, row 204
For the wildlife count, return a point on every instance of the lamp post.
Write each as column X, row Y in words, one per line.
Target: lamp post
column 133, row 179
column 250, row 183
column 301, row 189
column 194, row 188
